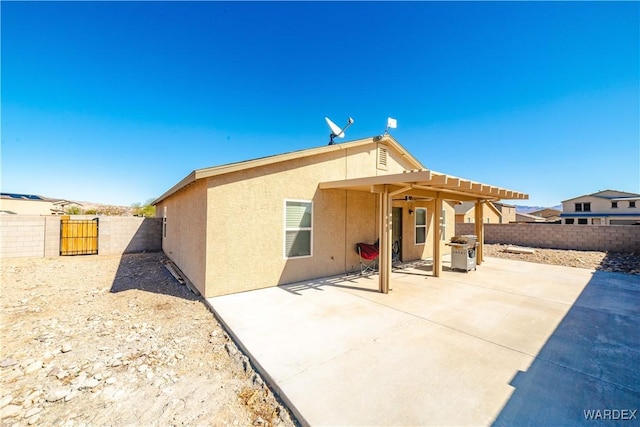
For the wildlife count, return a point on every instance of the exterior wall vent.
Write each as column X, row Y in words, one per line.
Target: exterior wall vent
column 382, row 157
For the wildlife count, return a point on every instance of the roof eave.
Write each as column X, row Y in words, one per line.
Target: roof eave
column 263, row 161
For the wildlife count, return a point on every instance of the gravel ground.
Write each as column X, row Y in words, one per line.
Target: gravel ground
column 604, row 261
column 106, row 340
column 103, row 340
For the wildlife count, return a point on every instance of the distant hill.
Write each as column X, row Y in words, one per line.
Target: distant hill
column 528, row 209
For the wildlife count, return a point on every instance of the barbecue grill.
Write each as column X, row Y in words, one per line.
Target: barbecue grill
column 463, row 252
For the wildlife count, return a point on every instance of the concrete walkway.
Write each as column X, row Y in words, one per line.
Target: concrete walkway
column 511, row 343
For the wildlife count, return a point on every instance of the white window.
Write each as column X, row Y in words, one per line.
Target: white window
column 421, row 226
column 443, row 224
column 298, row 228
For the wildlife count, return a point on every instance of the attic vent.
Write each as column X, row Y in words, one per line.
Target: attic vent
column 382, row 157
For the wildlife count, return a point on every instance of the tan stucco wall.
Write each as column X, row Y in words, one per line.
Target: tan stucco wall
column 246, row 218
column 27, row 207
column 508, row 214
column 489, row 216
column 226, row 232
column 600, row 205
column 186, row 231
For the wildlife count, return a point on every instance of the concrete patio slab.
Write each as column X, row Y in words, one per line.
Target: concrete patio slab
column 510, row 343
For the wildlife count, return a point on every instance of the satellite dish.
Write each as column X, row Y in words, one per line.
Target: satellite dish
column 335, row 130
column 391, row 123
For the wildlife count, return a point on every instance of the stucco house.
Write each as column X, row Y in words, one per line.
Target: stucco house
column 525, row 217
column 298, row 216
column 31, row 204
column 494, row 213
column 549, row 214
column 607, row 207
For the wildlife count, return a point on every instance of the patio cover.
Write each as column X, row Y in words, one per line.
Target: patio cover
column 429, row 184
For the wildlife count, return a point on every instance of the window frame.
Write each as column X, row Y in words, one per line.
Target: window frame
column 578, row 207
column 570, row 221
column 286, row 229
column 632, row 204
column 443, row 225
column 586, row 207
column 614, row 205
column 416, row 226
column 583, row 221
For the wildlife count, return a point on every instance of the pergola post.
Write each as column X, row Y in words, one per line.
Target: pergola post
column 479, row 226
column 437, row 256
column 384, row 254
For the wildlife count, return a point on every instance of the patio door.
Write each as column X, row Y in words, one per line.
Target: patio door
column 396, row 229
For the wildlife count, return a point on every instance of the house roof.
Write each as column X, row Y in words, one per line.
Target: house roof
column 550, row 211
column 621, row 195
column 19, row 196
column 418, row 178
column 464, row 207
column 528, row 216
column 263, row 161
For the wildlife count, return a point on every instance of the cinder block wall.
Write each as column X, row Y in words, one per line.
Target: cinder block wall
column 22, row 235
column 39, row 236
column 612, row 238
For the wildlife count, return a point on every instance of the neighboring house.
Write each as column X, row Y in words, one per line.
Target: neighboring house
column 494, row 213
column 298, row 216
column 29, row 204
column 608, row 207
column 549, row 214
column 523, row 217
column 507, row 212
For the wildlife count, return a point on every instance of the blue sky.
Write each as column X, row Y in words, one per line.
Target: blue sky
column 115, row 102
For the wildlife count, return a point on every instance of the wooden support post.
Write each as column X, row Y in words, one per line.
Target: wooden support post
column 437, row 243
column 384, row 254
column 479, row 226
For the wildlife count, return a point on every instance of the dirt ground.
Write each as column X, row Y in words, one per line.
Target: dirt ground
column 605, row 261
column 110, row 340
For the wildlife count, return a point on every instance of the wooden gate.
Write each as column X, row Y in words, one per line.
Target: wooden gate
column 78, row 236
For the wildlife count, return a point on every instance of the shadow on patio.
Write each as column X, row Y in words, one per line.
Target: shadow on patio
column 588, row 364
column 356, row 281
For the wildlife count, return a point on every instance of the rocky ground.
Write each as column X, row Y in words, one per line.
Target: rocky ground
column 604, row 261
column 111, row 341
column 102, row 340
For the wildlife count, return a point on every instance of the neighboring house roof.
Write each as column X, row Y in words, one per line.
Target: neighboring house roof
column 36, row 198
column 609, row 194
column 18, row 196
column 262, row 161
column 546, row 212
column 505, row 205
column 464, row 208
column 528, row 218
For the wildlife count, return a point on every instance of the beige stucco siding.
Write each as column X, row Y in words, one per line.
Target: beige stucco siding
column 600, row 205
column 489, row 216
column 245, row 237
column 185, row 231
column 27, row 207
